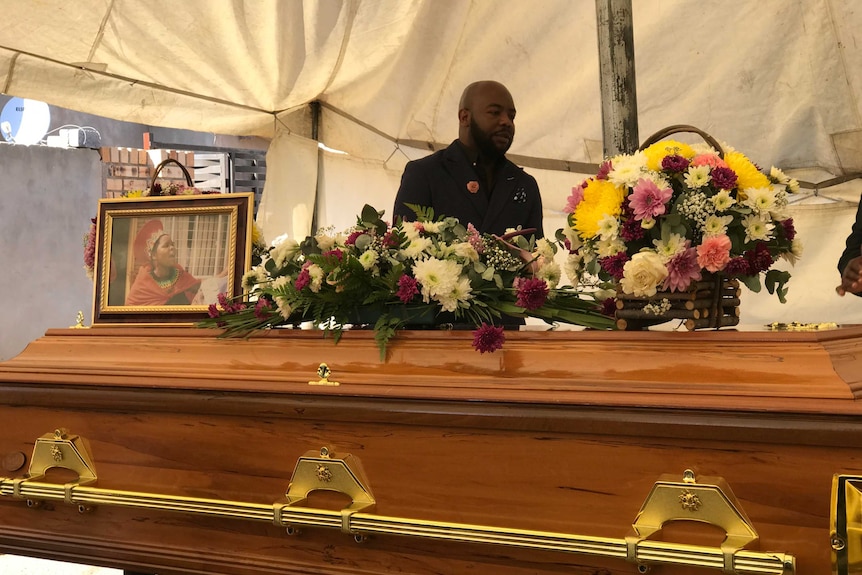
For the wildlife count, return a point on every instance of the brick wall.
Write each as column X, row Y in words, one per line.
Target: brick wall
column 126, row 169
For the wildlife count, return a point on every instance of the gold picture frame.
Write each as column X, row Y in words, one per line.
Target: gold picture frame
column 165, row 259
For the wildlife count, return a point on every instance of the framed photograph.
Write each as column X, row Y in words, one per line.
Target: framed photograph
column 166, row 259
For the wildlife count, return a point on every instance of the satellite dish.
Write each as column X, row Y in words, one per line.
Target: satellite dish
column 24, row 121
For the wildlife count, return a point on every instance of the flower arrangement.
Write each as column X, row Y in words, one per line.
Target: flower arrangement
column 672, row 213
column 429, row 268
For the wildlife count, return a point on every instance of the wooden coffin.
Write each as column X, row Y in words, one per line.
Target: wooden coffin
column 558, row 434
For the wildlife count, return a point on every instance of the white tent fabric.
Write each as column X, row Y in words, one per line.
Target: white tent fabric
column 779, row 80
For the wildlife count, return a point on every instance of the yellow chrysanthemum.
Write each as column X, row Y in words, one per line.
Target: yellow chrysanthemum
column 747, row 174
column 601, row 198
column 256, row 234
column 656, row 152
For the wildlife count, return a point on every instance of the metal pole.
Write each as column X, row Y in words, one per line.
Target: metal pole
column 617, row 76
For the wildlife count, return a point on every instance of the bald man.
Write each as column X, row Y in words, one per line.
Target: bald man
column 471, row 179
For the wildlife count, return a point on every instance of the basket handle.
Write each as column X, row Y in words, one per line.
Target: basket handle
column 677, row 128
column 164, row 163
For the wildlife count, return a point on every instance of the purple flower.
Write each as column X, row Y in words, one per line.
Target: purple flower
column 261, row 309
column 488, row 338
column 407, row 288
column 223, row 301
column 737, row 266
column 682, row 269
column 723, row 178
column 759, row 259
column 213, row 311
column 532, row 293
column 647, row 200
column 789, row 229
column 614, row 264
column 674, row 163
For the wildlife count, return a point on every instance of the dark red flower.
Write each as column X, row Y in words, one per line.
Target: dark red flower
column 262, row 308
column 609, row 306
column 336, row 253
column 407, row 288
column 759, row 259
column 737, row 266
column 302, row 280
column 213, row 311
column 351, row 239
column 532, row 293
column 488, row 338
column 674, row 163
column 789, row 229
column 614, row 264
column 723, row 178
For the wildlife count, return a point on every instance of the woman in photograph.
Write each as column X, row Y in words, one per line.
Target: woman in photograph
column 160, row 280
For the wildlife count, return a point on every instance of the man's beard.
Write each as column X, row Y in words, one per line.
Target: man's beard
column 485, row 144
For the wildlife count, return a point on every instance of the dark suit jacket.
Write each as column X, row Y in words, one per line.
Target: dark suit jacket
column 440, row 181
column 854, row 242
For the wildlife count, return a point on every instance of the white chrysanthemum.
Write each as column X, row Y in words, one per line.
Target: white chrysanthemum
column 627, row 169
column 283, row 306
column 761, row 200
column 417, row 248
column 436, row 276
column 461, row 292
column 667, row 249
column 778, row 175
column 252, row 278
column 611, row 247
column 796, row 249
column 550, row 271
column 285, row 250
column 369, row 259
column 573, row 267
column 697, row 177
column 643, row 273
column 544, row 248
column 756, row 228
column 411, row 230
column 315, row 272
column 432, row 227
column 702, row 148
column 722, row 200
column 716, row 225
column 466, row 251
column 658, row 178
column 792, row 186
column 609, row 227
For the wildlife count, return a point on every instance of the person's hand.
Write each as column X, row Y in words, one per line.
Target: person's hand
column 851, row 279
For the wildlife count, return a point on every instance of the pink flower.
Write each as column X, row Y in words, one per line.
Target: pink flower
column 575, row 198
column 262, row 308
column 647, row 201
column 532, row 293
column 604, row 169
column 681, row 270
column 336, row 253
column 488, row 338
column 710, row 160
column 714, row 253
column 475, row 238
column 351, row 239
column 472, row 186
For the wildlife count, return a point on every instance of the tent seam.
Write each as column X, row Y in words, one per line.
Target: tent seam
column 100, row 34
column 11, row 72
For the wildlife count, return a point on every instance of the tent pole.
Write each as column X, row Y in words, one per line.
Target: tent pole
column 617, row 76
column 315, row 127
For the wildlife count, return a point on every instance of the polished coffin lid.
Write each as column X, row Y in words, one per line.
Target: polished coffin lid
column 792, row 372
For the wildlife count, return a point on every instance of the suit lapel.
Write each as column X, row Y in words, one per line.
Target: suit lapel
column 463, row 173
column 502, row 196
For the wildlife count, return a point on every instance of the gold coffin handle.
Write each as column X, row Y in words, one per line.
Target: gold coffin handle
column 710, row 501
column 845, row 530
column 321, row 470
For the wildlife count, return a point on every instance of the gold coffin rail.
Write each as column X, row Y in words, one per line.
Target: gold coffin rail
column 345, row 475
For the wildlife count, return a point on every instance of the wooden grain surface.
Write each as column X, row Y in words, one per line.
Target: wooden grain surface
column 545, row 447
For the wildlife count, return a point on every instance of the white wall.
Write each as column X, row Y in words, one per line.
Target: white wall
column 47, row 197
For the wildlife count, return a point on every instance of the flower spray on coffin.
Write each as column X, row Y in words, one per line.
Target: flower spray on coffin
column 402, row 272
column 675, row 228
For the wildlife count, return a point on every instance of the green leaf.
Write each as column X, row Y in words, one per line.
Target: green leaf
column 776, row 282
column 751, row 282
column 370, row 216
